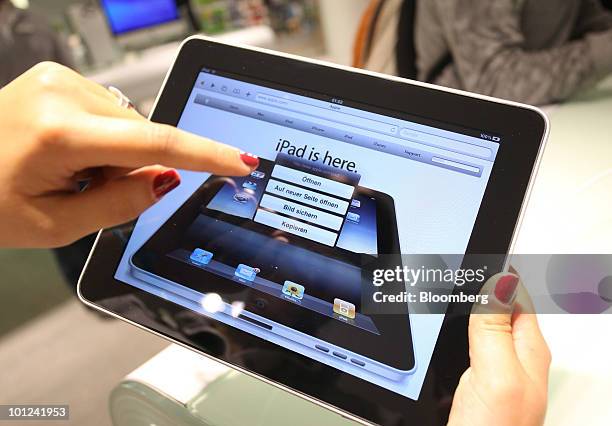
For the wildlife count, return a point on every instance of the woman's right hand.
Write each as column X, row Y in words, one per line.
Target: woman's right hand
column 58, row 129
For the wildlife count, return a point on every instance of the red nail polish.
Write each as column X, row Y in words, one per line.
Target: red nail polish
column 505, row 289
column 166, row 182
column 250, row 160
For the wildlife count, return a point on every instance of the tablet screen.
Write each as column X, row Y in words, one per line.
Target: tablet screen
column 280, row 253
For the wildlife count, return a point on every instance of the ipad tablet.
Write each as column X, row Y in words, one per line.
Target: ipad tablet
column 268, row 273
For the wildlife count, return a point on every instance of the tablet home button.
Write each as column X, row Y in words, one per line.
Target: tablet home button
column 339, row 355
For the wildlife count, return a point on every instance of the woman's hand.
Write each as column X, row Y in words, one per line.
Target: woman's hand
column 507, row 381
column 58, row 129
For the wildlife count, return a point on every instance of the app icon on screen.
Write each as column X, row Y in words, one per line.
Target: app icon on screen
column 241, row 197
column 293, row 290
column 344, row 308
column 353, row 217
column 250, row 185
column 355, row 204
column 201, row 257
column 258, row 175
column 247, row 273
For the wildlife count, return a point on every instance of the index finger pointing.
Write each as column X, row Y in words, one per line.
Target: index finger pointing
column 103, row 141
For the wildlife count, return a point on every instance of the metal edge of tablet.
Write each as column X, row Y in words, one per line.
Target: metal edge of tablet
column 517, row 227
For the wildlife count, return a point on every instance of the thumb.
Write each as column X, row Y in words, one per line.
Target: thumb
column 490, row 330
column 120, row 200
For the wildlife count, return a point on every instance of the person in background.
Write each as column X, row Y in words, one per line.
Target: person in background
column 25, row 40
column 532, row 51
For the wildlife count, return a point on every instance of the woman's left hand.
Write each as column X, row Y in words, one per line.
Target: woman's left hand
column 507, row 381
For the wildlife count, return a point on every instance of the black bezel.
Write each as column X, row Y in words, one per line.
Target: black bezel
column 523, row 131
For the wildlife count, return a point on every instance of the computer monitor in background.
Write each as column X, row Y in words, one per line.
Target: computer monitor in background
column 142, row 23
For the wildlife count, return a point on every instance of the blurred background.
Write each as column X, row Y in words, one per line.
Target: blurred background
column 131, row 43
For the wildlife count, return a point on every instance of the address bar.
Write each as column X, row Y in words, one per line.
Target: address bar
column 363, row 123
column 376, row 126
column 375, row 139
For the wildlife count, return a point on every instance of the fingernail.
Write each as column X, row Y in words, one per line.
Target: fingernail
column 505, row 289
column 249, row 159
column 166, row 182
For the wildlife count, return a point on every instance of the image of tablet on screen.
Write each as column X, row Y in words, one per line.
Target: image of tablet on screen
column 277, row 232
